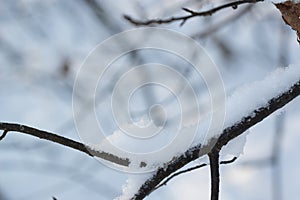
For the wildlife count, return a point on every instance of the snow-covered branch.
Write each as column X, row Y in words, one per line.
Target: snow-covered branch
column 228, row 134
column 258, row 102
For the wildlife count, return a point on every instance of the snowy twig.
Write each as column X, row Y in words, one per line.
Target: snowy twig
column 214, row 173
column 227, row 135
column 7, row 127
column 191, row 14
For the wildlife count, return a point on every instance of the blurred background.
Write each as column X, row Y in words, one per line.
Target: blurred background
column 42, row 46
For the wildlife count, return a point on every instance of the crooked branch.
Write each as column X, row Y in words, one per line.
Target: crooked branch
column 222, row 23
column 191, row 14
column 191, row 169
column 217, row 143
column 10, row 127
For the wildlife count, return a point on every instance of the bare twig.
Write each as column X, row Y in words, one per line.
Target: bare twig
column 7, row 127
column 227, row 135
column 3, row 134
column 181, row 172
column 191, row 14
column 223, row 22
column 191, row 169
column 225, row 162
column 214, row 173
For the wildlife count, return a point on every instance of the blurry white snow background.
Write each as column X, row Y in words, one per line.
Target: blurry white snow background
column 43, row 44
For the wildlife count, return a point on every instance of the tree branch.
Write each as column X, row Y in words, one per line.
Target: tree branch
column 191, row 154
column 191, row 169
column 191, row 14
column 214, row 174
column 8, row 127
column 217, row 143
column 3, row 135
column 225, row 162
column 222, row 23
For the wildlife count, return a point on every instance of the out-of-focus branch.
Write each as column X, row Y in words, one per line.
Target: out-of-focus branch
column 191, row 14
column 82, row 176
column 10, row 127
column 214, row 144
column 101, row 15
column 217, row 143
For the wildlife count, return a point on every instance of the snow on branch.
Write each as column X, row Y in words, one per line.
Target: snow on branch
column 191, row 14
column 287, row 90
column 249, row 106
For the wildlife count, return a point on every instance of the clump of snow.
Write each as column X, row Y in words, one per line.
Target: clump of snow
column 133, row 183
column 154, row 151
column 235, row 147
column 245, row 99
column 241, row 103
column 249, row 97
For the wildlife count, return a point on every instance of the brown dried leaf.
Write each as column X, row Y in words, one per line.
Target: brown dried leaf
column 291, row 14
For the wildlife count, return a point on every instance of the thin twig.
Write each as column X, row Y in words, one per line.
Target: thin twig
column 63, row 141
column 191, row 14
column 181, row 172
column 191, row 169
column 214, row 174
column 225, row 162
column 223, row 22
column 3, row 134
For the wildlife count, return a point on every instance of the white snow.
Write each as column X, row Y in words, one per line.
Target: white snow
column 41, row 38
column 241, row 103
column 235, row 147
column 257, row 94
column 132, row 185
